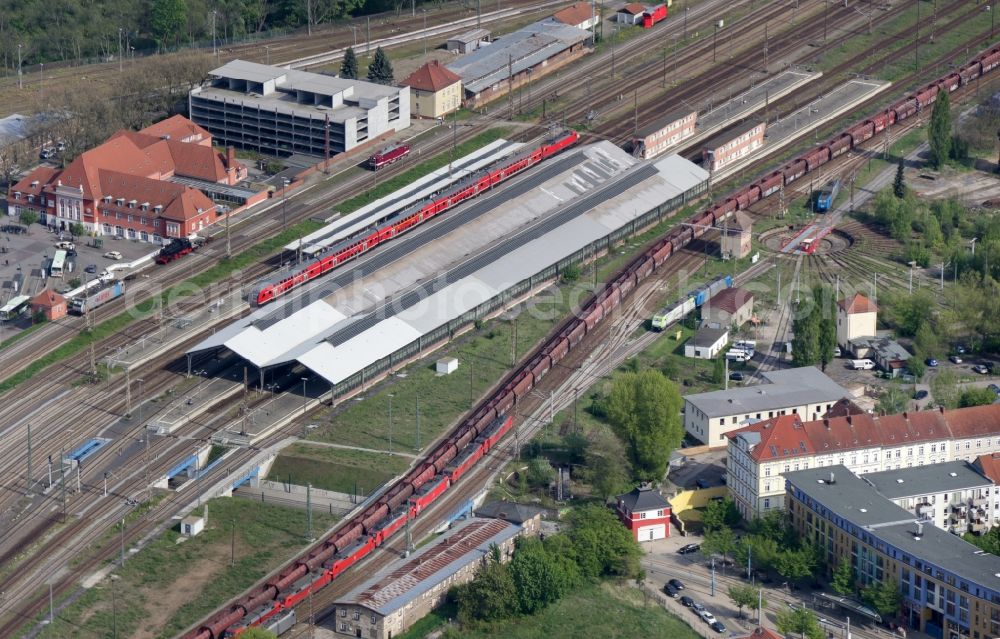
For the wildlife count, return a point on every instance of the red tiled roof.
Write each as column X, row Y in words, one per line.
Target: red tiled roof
column 858, row 304
column 48, row 299
column 852, row 432
column 731, row 299
column 178, row 128
column 190, row 204
column 575, row 14
column 633, row 8
column 431, row 77
column 42, row 174
column 843, row 408
column 989, row 465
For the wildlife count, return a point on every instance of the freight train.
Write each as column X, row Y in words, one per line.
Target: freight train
column 493, row 417
column 403, row 221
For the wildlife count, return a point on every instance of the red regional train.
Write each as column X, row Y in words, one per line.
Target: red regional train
column 492, row 418
column 406, row 219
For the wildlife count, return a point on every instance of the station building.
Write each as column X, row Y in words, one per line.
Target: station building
column 732, row 145
column 759, row 455
column 278, row 111
column 663, row 133
column 950, row 588
column 163, row 181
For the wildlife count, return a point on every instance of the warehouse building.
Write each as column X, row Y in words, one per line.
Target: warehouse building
column 759, row 455
column 801, row 391
column 277, row 111
column 389, row 603
column 732, row 145
column 517, row 59
column 664, row 133
column 950, row 588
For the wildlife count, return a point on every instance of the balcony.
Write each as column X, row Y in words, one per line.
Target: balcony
column 958, row 509
column 925, row 510
column 978, row 526
column 980, row 502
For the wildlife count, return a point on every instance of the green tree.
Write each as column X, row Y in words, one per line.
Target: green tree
column 167, row 19
column 989, row 541
column 944, row 388
column 28, row 217
column 892, row 400
column 76, row 229
column 540, row 577
column 796, row 564
column 644, row 409
column 843, row 578
column 720, row 513
column 759, row 550
column 380, row 69
column 718, row 370
column 801, row 621
column 939, row 130
column 827, row 308
column 743, row 596
column 490, row 596
column 806, row 329
column 540, row 473
column 606, row 468
column 601, row 545
column 349, row 66
column 976, row 397
column 256, row 632
column 883, row 597
column 898, row 186
column 719, row 542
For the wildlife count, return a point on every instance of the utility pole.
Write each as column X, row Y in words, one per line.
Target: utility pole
column 765, row 47
column 28, row 482
column 390, row 422
column 128, row 394
column 513, row 341
column 916, row 39
column 20, row 72
column 712, row 592
column 121, row 66
column 510, row 86
column 417, row 412
column 309, row 513
column 62, row 480
column 229, row 248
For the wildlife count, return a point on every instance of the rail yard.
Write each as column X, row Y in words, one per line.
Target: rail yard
column 160, row 432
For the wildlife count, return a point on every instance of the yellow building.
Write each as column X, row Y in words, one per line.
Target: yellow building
column 856, row 318
column 434, row 91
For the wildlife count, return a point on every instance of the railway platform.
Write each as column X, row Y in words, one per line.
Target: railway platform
column 785, row 129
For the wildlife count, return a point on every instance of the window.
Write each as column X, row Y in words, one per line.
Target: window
column 343, row 612
column 767, row 471
column 767, row 502
column 373, row 618
column 343, row 627
column 357, row 615
column 642, row 515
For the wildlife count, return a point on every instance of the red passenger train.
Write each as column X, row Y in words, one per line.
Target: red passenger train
column 480, row 431
column 406, row 219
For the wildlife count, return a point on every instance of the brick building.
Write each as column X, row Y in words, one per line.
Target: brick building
column 148, row 185
column 730, row 146
column 736, row 241
column 49, row 303
column 645, row 512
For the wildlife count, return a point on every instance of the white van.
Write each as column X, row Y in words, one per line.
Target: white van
column 737, row 355
column 862, row 364
column 65, row 246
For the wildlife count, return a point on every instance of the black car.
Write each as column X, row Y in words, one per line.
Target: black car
column 718, row 627
column 91, row 268
column 920, row 394
column 737, row 376
column 686, row 601
column 676, row 583
column 688, row 548
column 670, row 591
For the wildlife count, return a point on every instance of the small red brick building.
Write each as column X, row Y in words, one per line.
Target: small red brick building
column 645, row 512
column 50, row 303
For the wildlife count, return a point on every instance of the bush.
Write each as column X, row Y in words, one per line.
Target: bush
column 571, row 273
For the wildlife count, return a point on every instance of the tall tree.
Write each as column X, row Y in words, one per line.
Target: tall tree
column 167, row 20
column 380, row 69
column 490, row 596
column 719, row 370
column 806, row 329
column 898, row 186
column 883, row 597
column 743, row 596
column 939, row 130
column 843, row 578
column 827, row 309
column 645, row 409
column 540, row 577
column 720, row 513
column 801, row 621
column 349, row 66
column 606, row 468
column 601, row 545
column 719, row 542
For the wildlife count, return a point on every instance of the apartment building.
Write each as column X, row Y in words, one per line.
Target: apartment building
column 950, row 588
column 759, row 455
column 731, row 146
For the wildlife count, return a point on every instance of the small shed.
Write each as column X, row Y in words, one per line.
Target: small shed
column 630, row 14
column 729, row 307
column 49, row 303
column 468, row 42
column 446, row 365
column 707, row 343
column 192, row 525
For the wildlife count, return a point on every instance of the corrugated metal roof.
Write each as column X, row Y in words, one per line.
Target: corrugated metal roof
column 404, row 581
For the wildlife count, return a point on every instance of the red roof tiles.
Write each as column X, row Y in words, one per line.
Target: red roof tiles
column 432, row 77
column 633, row 8
column 858, row 304
column 180, row 129
column 576, row 14
column 731, row 300
column 989, row 465
column 48, row 299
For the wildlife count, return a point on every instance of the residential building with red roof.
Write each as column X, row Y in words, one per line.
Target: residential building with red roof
column 49, row 303
column 645, row 513
column 856, row 318
column 147, row 185
column 582, row 15
column 759, row 454
column 434, row 90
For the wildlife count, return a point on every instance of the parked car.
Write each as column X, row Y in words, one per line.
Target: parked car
column 91, row 268
column 688, row 548
column 955, row 359
column 737, row 376
column 65, row 246
column 960, row 349
column 708, row 617
column 920, row 394
column 670, row 591
column 718, row 626
column 676, row 583
column 981, row 369
column 836, row 351
column 701, row 483
column 686, row 601
column 994, row 388
column 113, row 255
column 930, row 361
column 698, row 608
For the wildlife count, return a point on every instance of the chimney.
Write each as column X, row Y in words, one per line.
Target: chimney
column 833, row 478
column 919, row 532
column 826, row 422
column 850, row 421
column 906, row 415
column 230, row 158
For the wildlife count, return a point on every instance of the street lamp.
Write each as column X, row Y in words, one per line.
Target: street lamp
column 140, row 380
column 304, row 380
column 390, row 421
column 20, row 81
column 114, row 608
column 718, row 25
column 284, row 209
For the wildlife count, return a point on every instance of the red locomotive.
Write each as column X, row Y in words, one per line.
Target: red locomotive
column 406, row 219
column 385, row 157
column 654, row 15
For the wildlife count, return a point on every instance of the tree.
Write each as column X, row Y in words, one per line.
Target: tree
column 349, row 67
column 719, row 370
column 976, row 397
column 898, row 186
column 490, row 596
column 892, row 400
column 939, row 130
column 167, row 20
column 944, row 388
column 540, row 577
column 827, row 308
column 743, row 595
column 601, row 545
column 719, row 542
column 796, row 564
column 256, row 632
column 28, row 217
column 720, row 513
column 76, row 229
column 843, row 578
column 644, row 409
column 606, row 468
column 799, row 620
column 884, row 597
column 380, row 69
column 806, row 329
